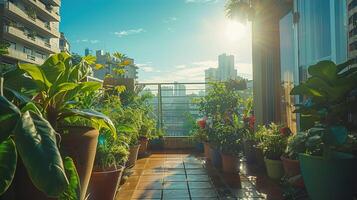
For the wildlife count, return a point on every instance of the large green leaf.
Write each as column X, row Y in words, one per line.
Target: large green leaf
column 326, row 70
column 8, row 160
column 37, row 75
column 73, row 191
column 17, row 81
column 101, row 120
column 37, row 146
column 9, row 115
column 63, row 87
column 55, row 66
column 82, row 88
column 31, row 107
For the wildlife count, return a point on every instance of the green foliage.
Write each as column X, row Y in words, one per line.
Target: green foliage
column 273, row 142
column 73, row 191
column 326, row 94
column 296, row 145
column 200, row 135
column 35, row 141
column 229, row 139
column 59, row 83
column 327, row 105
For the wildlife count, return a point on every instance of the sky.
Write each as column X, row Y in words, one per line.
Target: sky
column 170, row 40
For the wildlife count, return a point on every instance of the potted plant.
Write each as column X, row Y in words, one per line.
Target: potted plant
column 58, row 85
column 109, row 163
column 273, row 145
column 230, row 143
column 200, row 137
column 290, row 158
column 328, row 171
column 22, row 124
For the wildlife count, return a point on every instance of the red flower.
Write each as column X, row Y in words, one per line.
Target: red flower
column 285, row 131
column 251, row 122
column 202, row 123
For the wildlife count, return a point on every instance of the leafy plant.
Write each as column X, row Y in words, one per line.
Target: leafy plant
column 200, row 135
column 296, row 145
column 229, row 139
column 273, row 141
column 327, row 105
column 58, row 83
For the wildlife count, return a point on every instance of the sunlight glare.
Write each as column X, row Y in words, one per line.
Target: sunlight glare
column 235, row 31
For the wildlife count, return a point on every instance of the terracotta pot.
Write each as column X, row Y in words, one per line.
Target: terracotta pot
column 133, row 155
column 143, row 145
column 103, row 184
column 216, row 158
column 292, row 169
column 229, row 163
column 259, row 157
column 207, row 150
column 80, row 143
column 248, row 146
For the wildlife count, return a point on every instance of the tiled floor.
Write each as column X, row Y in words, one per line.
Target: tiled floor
column 181, row 175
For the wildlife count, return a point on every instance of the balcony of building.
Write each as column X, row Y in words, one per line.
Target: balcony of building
column 17, row 34
column 14, row 12
column 19, row 55
column 46, row 11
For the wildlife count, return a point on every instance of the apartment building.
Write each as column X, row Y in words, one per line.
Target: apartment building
column 352, row 28
column 31, row 27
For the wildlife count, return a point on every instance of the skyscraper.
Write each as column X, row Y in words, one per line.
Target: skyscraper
column 179, row 89
column 31, row 28
column 226, row 69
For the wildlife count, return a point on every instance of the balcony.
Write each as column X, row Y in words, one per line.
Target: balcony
column 18, row 34
column 15, row 12
column 46, row 12
column 53, row 2
column 23, row 57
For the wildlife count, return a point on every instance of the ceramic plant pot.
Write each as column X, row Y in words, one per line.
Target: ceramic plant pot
column 230, row 163
column 80, row 143
column 103, row 184
column 329, row 179
column 274, row 168
column 133, row 155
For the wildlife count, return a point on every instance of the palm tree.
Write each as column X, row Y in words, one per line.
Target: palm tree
column 241, row 10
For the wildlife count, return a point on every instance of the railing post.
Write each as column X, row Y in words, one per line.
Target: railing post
column 159, row 106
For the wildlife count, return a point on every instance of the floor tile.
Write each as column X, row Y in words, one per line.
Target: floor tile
column 175, row 186
column 146, row 194
column 200, row 185
column 196, row 171
column 174, row 178
column 198, row 178
column 149, row 186
column 175, row 194
column 171, row 172
column 203, row 193
column 151, row 178
column 124, row 195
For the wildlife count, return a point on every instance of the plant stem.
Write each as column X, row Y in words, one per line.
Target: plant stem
column 1, row 86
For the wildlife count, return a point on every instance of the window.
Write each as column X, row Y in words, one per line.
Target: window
column 28, row 51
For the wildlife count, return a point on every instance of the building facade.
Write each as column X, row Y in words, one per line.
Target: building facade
column 352, row 28
column 31, row 27
column 225, row 70
column 64, row 44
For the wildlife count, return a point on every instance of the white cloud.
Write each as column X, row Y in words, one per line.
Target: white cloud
column 87, row 41
column 170, row 19
column 129, row 32
column 180, row 66
column 147, row 69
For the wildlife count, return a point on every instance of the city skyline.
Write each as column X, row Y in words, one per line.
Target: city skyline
column 176, row 44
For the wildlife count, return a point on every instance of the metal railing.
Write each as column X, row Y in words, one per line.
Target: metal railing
column 175, row 105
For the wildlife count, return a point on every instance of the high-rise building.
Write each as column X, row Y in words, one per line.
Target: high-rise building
column 31, row 28
column 87, row 52
column 179, row 89
column 131, row 70
column 226, row 69
column 64, row 44
column 352, row 28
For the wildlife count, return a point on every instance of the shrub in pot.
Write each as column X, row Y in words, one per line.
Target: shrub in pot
column 51, row 174
column 328, row 170
column 200, row 137
column 230, row 143
column 273, row 145
column 290, row 158
column 58, row 87
column 109, row 163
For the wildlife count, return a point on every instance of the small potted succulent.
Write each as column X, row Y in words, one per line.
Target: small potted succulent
column 273, row 145
column 109, row 163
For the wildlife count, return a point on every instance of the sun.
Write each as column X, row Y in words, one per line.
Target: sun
column 235, row 31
